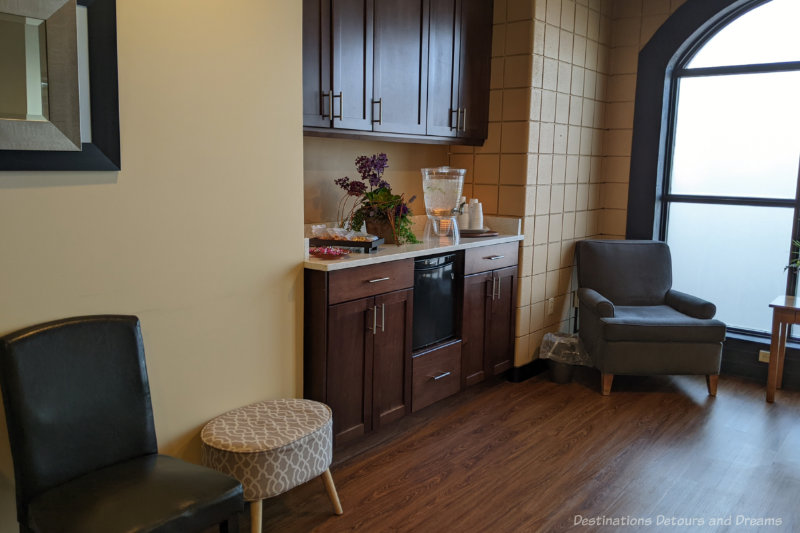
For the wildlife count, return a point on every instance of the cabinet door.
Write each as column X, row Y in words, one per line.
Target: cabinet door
column 499, row 347
column 400, row 73
column 316, row 62
column 475, row 65
column 476, row 303
column 392, row 356
column 443, row 67
column 349, row 367
column 352, row 63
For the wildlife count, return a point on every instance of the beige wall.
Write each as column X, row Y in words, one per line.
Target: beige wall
column 326, row 159
column 199, row 234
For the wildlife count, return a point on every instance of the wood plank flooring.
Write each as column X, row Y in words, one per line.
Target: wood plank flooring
column 537, row 456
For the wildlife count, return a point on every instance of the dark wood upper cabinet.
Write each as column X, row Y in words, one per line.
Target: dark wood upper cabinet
column 475, row 62
column 352, row 63
column 443, row 67
column 316, row 62
column 400, row 66
column 403, row 70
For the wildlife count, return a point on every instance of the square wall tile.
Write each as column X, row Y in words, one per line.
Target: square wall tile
column 492, row 143
column 499, row 11
column 579, row 51
column 551, row 34
column 572, row 169
column 554, row 237
column 564, row 77
column 463, row 161
column 615, row 196
column 570, row 197
column 581, row 19
column 516, row 104
column 556, row 202
column 487, row 195
column 578, row 74
column 495, row 105
column 542, row 208
column 550, row 74
column 533, row 137
column 487, row 169
column 559, row 168
column 518, row 71
column 514, row 137
column 560, row 141
column 533, row 169
column 565, row 46
column 523, row 320
column 618, row 142
column 624, row 60
column 540, row 9
column 519, row 10
column 496, row 79
column 519, row 37
column 544, row 171
column 524, row 290
column 562, row 108
column 513, row 169
column 568, row 226
column 498, row 40
column 541, row 230
column 538, row 37
column 554, row 12
column 537, row 70
column 539, row 281
column 546, row 138
column 576, row 110
column 549, row 99
column 568, row 15
column 535, row 104
column 619, row 115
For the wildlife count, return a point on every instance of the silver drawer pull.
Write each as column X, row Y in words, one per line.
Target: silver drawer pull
column 495, row 257
column 440, row 376
column 377, row 280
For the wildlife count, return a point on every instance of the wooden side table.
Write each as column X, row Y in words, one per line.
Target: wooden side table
column 785, row 312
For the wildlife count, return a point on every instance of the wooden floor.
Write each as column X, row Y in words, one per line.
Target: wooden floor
column 537, row 456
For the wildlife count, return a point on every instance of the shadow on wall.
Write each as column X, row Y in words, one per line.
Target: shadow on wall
column 327, row 159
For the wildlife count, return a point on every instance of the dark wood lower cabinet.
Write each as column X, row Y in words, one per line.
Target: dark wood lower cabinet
column 369, row 362
column 489, row 319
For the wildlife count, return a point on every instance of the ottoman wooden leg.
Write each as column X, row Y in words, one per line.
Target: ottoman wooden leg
column 331, row 488
column 255, row 516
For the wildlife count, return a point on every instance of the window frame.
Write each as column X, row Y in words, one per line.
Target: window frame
column 662, row 63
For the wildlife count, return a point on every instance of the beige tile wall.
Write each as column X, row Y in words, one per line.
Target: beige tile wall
column 633, row 24
column 543, row 159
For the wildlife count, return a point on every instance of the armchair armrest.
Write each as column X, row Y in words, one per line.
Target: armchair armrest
column 690, row 305
column 598, row 303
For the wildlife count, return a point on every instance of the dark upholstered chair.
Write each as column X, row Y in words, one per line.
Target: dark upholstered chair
column 83, row 442
column 633, row 322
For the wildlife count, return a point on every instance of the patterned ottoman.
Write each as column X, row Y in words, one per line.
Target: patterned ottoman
column 271, row 447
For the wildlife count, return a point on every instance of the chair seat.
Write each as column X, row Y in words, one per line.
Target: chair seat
column 270, row 446
column 659, row 323
column 154, row 493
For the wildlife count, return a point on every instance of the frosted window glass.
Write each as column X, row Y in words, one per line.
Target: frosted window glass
column 767, row 34
column 733, row 256
column 738, row 135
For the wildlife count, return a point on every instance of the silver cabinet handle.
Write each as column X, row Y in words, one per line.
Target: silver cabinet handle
column 329, row 96
column 499, row 281
column 378, row 279
column 440, row 376
column 383, row 317
column 375, row 320
column 464, row 128
column 341, row 105
column 494, row 285
column 495, row 257
column 457, row 112
column 379, row 101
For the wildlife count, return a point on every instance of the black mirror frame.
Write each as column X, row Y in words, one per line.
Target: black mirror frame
column 103, row 153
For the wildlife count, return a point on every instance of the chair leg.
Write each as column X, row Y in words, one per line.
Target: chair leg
column 711, row 382
column 327, row 478
column 231, row 525
column 255, row 516
column 606, row 380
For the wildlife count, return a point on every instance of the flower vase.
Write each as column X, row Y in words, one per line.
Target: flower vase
column 381, row 228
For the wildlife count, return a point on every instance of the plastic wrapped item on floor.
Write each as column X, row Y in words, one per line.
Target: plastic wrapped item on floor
column 564, row 351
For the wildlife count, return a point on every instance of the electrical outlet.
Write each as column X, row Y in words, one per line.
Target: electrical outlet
column 763, row 356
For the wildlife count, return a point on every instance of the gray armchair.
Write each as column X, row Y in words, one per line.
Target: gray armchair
column 633, row 322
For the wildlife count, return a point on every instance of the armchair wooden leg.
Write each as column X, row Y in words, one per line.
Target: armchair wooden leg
column 327, row 478
column 255, row 516
column 606, row 380
column 711, row 382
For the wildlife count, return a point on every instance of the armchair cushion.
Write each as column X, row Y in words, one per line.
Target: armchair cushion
column 659, row 323
column 150, row 493
column 598, row 303
column 690, row 305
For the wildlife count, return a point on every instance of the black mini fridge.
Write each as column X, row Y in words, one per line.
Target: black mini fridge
column 434, row 300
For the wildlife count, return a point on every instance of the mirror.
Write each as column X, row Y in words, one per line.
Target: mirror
column 23, row 68
column 99, row 94
column 39, row 101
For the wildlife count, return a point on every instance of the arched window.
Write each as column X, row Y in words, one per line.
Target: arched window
column 728, row 194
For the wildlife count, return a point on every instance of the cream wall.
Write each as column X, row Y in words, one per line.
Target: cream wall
column 199, row 234
column 325, row 159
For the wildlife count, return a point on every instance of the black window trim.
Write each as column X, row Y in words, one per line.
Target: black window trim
column 661, row 63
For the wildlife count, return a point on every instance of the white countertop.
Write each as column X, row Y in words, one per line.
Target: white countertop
column 508, row 231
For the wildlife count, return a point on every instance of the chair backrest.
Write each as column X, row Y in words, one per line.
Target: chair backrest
column 626, row 272
column 76, row 398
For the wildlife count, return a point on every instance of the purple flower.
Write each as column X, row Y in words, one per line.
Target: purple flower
column 372, row 168
column 357, row 188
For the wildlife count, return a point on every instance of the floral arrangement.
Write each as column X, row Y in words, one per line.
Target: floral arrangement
column 373, row 201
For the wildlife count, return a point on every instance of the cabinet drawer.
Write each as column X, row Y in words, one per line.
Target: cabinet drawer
column 435, row 375
column 490, row 257
column 360, row 282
